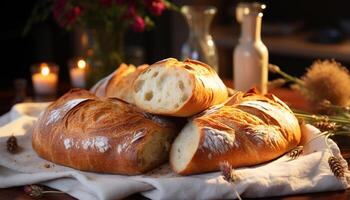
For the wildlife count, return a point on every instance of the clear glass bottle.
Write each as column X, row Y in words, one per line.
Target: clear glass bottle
column 250, row 59
column 200, row 45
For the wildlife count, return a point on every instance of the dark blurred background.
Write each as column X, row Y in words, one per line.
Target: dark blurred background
column 296, row 32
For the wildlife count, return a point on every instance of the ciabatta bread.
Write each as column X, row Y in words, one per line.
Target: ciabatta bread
column 84, row 132
column 171, row 87
column 248, row 129
column 119, row 83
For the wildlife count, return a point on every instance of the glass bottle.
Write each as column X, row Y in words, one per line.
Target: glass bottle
column 250, row 59
column 200, row 45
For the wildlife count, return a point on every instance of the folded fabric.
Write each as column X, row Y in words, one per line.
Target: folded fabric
column 283, row 176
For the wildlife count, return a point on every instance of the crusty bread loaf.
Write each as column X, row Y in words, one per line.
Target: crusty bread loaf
column 171, row 87
column 248, row 129
column 119, row 83
column 85, row 132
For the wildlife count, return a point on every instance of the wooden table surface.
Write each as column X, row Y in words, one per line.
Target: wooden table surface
column 288, row 96
column 17, row 193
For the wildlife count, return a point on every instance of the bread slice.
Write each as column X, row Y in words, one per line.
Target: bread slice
column 246, row 130
column 175, row 88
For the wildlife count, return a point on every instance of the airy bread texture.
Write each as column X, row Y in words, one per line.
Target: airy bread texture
column 119, row 83
column 84, row 132
column 182, row 89
column 248, row 129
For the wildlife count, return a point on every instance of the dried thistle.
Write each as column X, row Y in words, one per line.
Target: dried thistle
column 296, row 152
column 228, row 172
column 336, row 167
column 327, row 80
column 34, row 191
column 229, row 175
column 325, row 125
column 11, row 144
column 37, row 191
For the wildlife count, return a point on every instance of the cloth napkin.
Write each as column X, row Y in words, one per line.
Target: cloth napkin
column 283, row 176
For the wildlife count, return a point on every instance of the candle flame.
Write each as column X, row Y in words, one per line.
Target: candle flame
column 246, row 11
column 81, row 64
column 45, row 70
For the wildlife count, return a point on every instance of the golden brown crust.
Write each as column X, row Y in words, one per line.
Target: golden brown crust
column 84, row 132
column 209, row 90
column 248, row 129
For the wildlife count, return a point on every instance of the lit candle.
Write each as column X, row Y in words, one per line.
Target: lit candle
column 77, row 73
column 45, row 79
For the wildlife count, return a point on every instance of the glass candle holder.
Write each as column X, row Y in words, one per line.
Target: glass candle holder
column 78, row 71
column 45, row 78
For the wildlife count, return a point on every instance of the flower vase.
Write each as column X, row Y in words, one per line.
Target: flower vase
column 200, row 45
column 104, row 51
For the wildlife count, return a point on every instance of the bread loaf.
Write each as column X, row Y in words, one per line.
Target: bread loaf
column 84, row 132
column 171, row 87
column 119, row 83
column 246, row 130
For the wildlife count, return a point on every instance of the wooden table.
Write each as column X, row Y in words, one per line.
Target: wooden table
column 291, row 98
column 18, row 194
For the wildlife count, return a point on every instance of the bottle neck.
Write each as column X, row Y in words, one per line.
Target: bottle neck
column 199, row 19
column 251, row 28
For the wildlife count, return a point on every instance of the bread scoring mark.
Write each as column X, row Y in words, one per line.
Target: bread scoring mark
column 62, row 110
column 263, row 134
column 257, row 104
column 218, row 142
column 68, row 143
column 282, row 116
column 138, row 135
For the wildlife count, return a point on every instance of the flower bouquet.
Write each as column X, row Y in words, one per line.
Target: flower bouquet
column 105, row 21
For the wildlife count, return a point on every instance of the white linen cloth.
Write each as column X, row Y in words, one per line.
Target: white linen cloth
column 309, row 173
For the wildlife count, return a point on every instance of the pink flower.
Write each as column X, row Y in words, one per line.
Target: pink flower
column 156, row 7
column 139, row 24
column 72, row 15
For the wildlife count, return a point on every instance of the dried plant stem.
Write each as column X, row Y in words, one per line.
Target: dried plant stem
column 340, row 120
column 237, row 194
column 297, row 151
column 286, row 76
column 53, row 192
column 326, row 133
